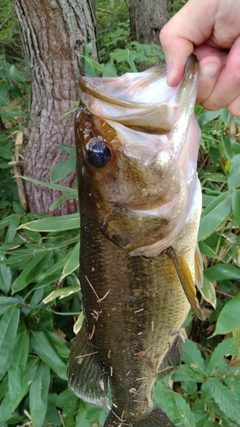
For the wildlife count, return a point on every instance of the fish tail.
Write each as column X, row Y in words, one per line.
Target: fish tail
column 155, row 418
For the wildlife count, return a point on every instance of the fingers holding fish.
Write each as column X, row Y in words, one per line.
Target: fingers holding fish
column 219, row 78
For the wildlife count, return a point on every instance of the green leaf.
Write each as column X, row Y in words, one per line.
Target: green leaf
column 236, row 205
column 222, row 271
column 17, row 366
column 95, row 65
column 68, row 148
column 12, row 228
column 60, row 347
column 61, row 200
column 62, row 169
column 57, row 267
column 61, row 223
column 5, row 276
column 185, row 374
column 215, row 214
column 69, row 403
column 6, row 302
column 46, row 351
column 68, row 111
column 183, row 415
column 15, row 75
column 228, row 319
column 61, row 293
column 216, row 177
column 50, row 185
column 8, row 328
column 208, row 292
column 72, row 263
column 31, row 271
column 226, row 347
column 164, row 399
column 207, row 250
column 193, row 357
column 38, row 395
column 234, row 173
column 89, row 68
column 226, row 399
column 6, row 407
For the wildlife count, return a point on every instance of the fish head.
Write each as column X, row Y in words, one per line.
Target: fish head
column 137, row 144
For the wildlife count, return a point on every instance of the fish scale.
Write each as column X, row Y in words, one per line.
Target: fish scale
column 146, row 337
column 140, row 205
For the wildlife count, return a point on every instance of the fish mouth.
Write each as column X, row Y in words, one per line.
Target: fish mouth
column 121, row 100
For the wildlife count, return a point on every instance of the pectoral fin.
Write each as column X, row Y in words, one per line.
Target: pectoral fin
column 198, row 262
column 85, row 376
column 185, row 277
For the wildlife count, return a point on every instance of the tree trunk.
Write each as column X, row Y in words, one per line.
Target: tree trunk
column 147, row 17
column 55, row 32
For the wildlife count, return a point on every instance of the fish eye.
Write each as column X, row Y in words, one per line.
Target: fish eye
column 98, row 152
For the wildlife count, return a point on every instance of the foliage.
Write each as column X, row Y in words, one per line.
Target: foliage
column 174, row 6
column 40, row 300
column 14, row 107
column 10, row 41
column 112, row 27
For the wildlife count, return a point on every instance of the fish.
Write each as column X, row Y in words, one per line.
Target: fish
column 137, row 143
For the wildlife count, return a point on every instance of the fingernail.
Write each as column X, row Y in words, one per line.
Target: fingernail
column 208, row 71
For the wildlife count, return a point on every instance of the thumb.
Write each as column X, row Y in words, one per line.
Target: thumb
column 190, row 27
column 176, row 52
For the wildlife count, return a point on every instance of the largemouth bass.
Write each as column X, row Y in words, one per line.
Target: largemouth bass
column 140, row 202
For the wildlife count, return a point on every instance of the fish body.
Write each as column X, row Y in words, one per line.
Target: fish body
column 140, row 203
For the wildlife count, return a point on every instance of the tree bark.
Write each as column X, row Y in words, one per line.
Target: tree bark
column 147, row 17
column 55, row 32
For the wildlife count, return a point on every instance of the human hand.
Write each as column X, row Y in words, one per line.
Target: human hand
column 210, row 30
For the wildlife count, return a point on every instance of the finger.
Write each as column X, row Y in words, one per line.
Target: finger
column 227, row 87
column 211, row 61
column 188, row 28
column 234, row 107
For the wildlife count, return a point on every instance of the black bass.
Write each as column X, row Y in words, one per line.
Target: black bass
column 140, row 201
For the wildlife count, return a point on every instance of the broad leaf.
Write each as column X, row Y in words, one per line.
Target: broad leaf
column 7, row 407
column 226, row 399
column 17, row 367
column 222, row 271
column 214, row 215
column 61, row 223
column 8, row 328
column 193, row 357
column 62, row 169
column 208, row 292
column 234, row 173
column 38, row 395
column 236, row 205
column 72, row 262
column 226, row 347
column 31, row 271
column 229, row 318
column 5, row 276
column 47, row 353
column 61, row 293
